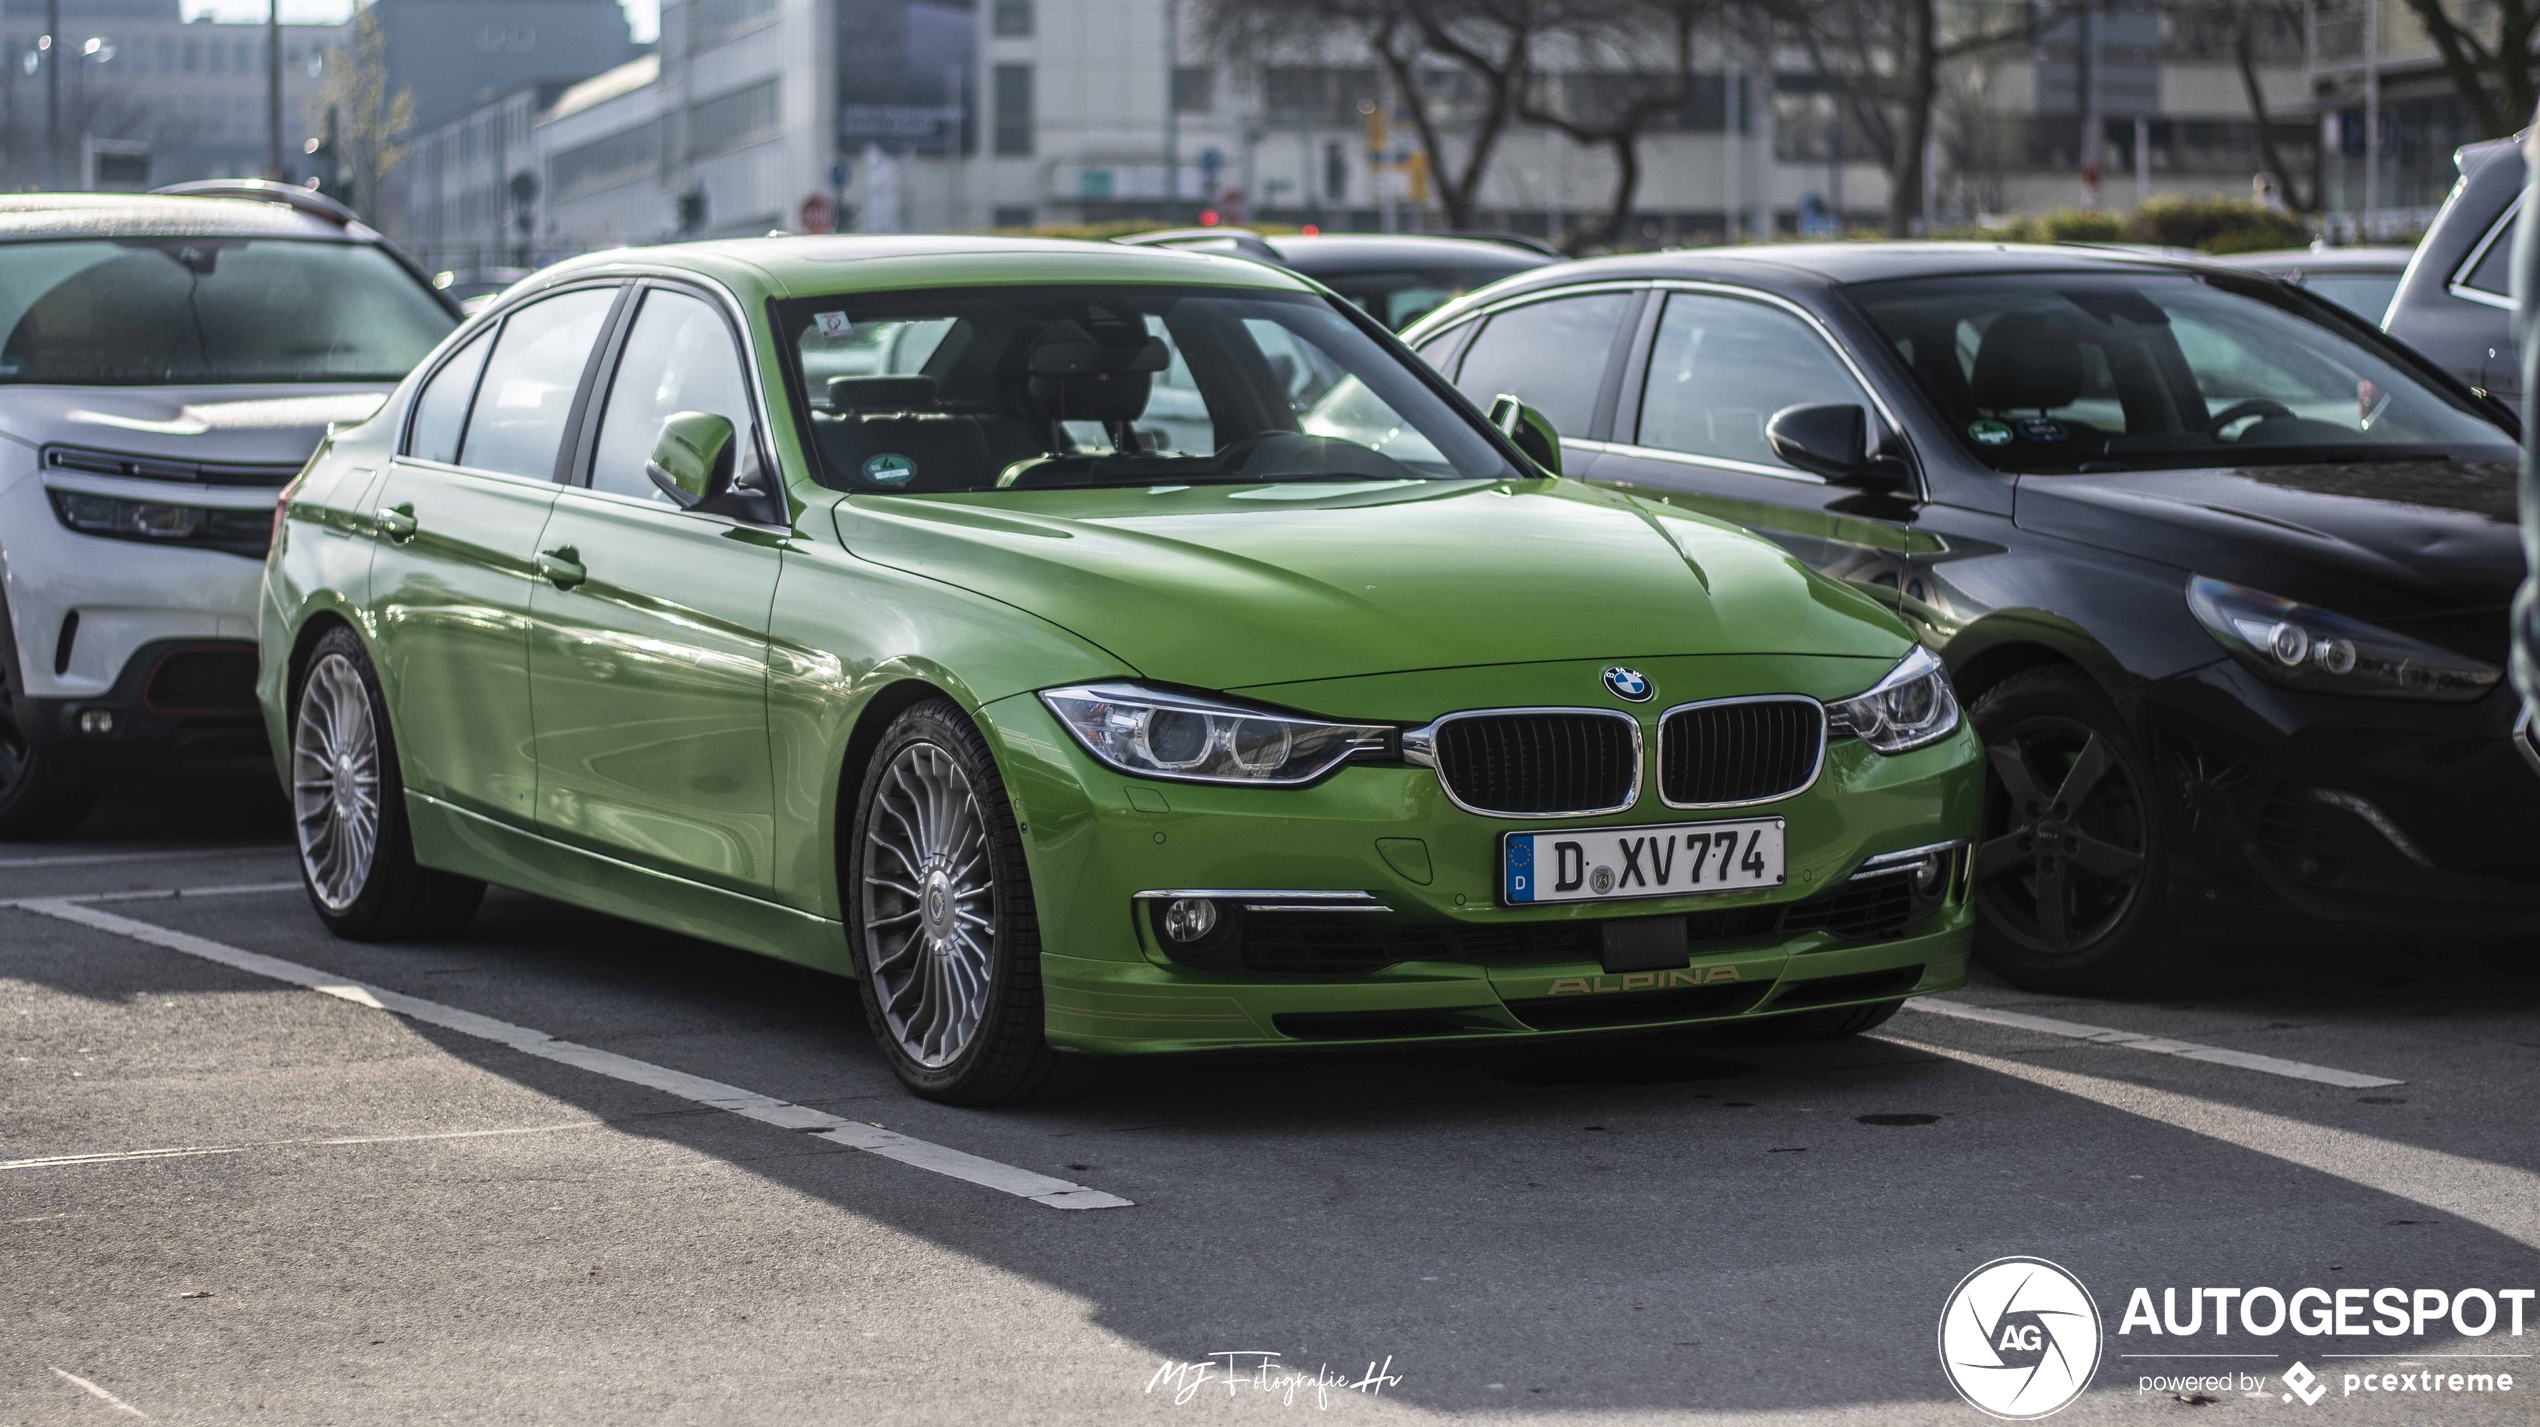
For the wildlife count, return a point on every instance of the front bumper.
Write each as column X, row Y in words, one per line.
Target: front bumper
column 2358, row 812
column 1096, row 840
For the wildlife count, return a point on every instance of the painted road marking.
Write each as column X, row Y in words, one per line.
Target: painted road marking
column 2157, row 1045
column 749, row 1104
column 100, row 1394
column 2503, row 1199
column 192, row 1151
column 99, row 859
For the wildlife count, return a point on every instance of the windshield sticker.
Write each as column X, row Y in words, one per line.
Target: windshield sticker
column 832, row 324
column 2041, row 428
column 890, row 469
column 1989, row 433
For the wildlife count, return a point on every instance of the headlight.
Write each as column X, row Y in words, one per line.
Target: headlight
column 1155, row 733
column 244, row 532
column 2306, row 647
column 1912, row 706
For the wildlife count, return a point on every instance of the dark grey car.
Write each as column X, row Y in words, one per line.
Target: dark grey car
column 2456, row 303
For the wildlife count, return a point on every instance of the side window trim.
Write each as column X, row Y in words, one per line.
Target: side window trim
column 489, row 334
column 1621, row 423
column 591, row 405
column 2500, row 231
column 1451, row 355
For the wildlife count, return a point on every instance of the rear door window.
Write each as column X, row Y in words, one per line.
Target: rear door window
column 517, row 424
column 2492, row 272
column 441, row 412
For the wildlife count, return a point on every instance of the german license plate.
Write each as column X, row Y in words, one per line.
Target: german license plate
column 1614, row 863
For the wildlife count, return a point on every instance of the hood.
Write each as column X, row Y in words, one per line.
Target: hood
column 2380, row 541
column 261, row 425
column 1225, row 587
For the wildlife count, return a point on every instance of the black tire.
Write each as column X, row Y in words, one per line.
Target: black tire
column 2075, row 852
column 1003, row 1055
column 393, row 897
column 1833, row 1023
column 38, row 796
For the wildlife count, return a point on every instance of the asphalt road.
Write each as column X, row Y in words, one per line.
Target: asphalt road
column 228, row 1198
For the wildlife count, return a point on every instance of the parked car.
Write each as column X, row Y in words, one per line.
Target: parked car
column 2455, row 303
column 2361, row 280
column 166, row 364
column 2221, row 570
column 1396, row 277
column 1333, row 719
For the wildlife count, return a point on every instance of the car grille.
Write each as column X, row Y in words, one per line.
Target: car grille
column 1327, row 945
column 1540, row 764
column 164, row 468
column 1741, row 751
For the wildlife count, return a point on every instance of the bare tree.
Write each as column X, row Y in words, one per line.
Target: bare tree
column 2493, row 71
column 364, row 123
column 1885, row 59
column 1624, row 99
column 1490, row 42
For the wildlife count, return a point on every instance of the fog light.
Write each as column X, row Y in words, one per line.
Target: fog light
column 97, row 723
column 1929, row 873
column 1189, row 919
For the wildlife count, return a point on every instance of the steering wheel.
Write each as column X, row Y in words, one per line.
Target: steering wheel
column 2255, row 406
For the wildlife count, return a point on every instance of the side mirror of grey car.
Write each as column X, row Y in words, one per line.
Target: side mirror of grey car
column 1529, row 429
column 1832, row 439
column 693, row 457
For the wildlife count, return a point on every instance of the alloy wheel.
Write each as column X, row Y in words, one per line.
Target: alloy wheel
column 2067, row 836
column 929, row 904
column 335, row 782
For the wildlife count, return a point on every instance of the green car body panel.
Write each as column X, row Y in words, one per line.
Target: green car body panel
column 673, row 730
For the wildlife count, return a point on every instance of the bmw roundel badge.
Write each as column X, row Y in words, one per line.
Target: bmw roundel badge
column 1629, row 684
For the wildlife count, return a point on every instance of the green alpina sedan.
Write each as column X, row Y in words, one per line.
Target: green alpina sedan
column 1089, row 649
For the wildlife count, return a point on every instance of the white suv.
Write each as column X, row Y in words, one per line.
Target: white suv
column 167, row 364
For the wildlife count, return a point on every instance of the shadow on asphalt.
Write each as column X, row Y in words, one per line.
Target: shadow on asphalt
column 1661, row 1222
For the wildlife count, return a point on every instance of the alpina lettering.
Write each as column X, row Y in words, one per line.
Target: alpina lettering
column 1643, row 981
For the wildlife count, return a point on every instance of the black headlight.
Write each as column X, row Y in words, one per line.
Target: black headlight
column 239, row 532
column 2306, row 647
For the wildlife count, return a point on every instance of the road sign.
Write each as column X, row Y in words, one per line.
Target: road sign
column 817, row 215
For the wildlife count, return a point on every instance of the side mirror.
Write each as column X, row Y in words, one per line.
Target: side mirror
column 1832, row 439
column 1529, row 429
column 693, row 457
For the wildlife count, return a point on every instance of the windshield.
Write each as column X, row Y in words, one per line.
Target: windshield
column 1031, row 387
column 1398, row 297
column 2108, row 372
column 183, row 311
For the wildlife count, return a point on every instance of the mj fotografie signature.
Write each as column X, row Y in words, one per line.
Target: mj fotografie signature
column 1263, row 1373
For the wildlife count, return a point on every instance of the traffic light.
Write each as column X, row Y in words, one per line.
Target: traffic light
column 692, row 212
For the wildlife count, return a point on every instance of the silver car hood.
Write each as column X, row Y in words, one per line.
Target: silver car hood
column 276, row 424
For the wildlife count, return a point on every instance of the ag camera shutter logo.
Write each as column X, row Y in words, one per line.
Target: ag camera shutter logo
column 2019, row 1338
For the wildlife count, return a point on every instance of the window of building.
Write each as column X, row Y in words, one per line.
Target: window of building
column 622, row 157
column 1013, row 104
column 1011, row 19
column 1010, row 216
column 1194, row 89
column 167, row 56
column 717, row 19
column 735, row 120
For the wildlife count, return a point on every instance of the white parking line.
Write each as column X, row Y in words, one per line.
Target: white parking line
column 872, row 1139
column 57, row 1161
column 2157, row 1045
column 100, row 1394
column 97, row 859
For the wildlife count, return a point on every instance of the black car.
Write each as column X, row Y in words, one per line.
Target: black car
column 1397, row 277
column 2361, row 280
column 2221, row 570
column 2456, row 302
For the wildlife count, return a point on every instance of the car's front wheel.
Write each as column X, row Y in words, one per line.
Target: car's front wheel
column 939, row 904
column 2068, row 874
column 349, row 806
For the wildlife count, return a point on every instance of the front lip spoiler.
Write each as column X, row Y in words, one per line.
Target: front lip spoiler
column 1273, row 899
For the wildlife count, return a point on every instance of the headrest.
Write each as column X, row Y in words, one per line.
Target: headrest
column 2028, row 361
column 881, row 393
column 1098, row 370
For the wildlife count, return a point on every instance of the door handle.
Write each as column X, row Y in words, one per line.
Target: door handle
column 562, row 567
column 397, row 522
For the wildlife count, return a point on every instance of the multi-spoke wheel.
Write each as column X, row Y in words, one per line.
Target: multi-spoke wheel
column 356, row 856
column 2066, row 878
column 335, row 782
column 929, row 904
column 38, row 796
column 940, row 905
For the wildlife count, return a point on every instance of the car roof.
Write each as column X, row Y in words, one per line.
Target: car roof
column 810, row 266
column 1336, row 252
column 145, row 215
